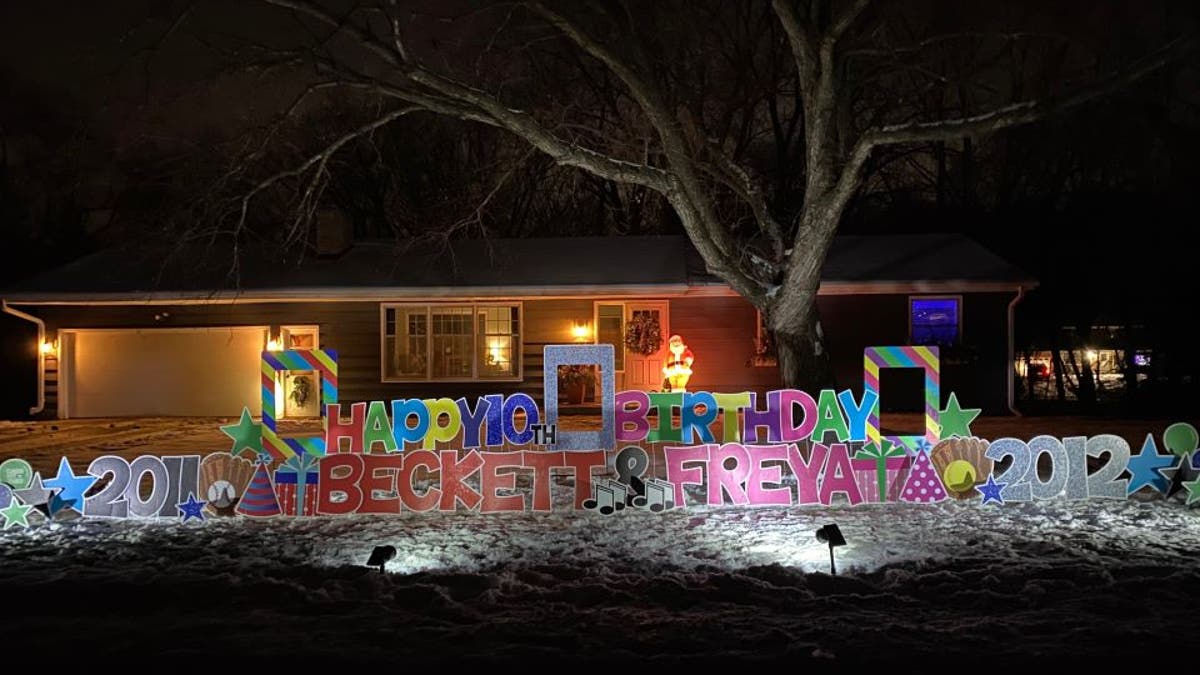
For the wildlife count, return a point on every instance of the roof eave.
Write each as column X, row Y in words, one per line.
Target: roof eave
column 397, row 294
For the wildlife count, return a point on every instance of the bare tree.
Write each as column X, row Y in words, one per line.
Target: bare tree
column 756, row 123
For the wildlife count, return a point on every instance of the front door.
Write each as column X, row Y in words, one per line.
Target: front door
column 644, row 371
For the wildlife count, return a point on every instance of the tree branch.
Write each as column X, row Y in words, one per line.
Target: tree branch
column 713, row 241
column 847, row 19
column 469, row 103
column 803, row 49
column 1005, row 117
column 1025, row 112
column 320, row 160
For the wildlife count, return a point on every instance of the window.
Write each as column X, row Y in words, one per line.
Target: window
column 934, row 320
column 610, row 330
column 451, row 342
column 300, row 337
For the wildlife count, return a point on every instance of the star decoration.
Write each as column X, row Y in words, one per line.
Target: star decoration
column 191, row 508
column 955, row 420
column 36, row 494
column 1193, row 488
column 70, row 487
column 15, row 514
column 246, row 434
column 991, row 490
column 57, row 503
column 1148, row 467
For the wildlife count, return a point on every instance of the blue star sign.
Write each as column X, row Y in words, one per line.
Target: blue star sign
column 1148, row 467
column 191, row 508
column 70, row 487
column 991, row 491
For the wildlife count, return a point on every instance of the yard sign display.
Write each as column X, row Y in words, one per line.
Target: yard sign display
column 653, row 451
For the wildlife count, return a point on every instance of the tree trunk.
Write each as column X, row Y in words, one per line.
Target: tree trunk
column 1060, row 387
column 800, row 344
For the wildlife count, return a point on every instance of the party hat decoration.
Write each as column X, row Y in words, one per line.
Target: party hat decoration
column 259, row 499
column 923, row 484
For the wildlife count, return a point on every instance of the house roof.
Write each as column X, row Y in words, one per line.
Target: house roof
column 495, row 267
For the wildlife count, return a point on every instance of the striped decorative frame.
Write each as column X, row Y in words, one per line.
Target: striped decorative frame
column 926, row 358
column 323, row 361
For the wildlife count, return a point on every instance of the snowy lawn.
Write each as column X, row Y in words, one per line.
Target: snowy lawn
column 1039, row 583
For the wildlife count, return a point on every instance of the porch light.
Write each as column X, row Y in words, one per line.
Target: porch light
column 49, row 348
column 273, row 345
column 581, row 332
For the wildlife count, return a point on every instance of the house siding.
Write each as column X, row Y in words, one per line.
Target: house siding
column 719, row 330
column 854, row 322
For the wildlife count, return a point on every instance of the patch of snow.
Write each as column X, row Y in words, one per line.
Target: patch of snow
column 1040, row 583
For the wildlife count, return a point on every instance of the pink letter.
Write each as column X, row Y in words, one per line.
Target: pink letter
column 807, row 472
column 839, row 476
column 759, row 474
column 730, row 480
column 675, row 457
column 788, row 398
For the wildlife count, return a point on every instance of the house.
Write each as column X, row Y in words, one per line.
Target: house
column 133, row 332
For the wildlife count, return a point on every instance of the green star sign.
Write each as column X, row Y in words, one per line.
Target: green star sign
column 1193, row 488
column 246, row 434
column 956, row 421
column 15, row 514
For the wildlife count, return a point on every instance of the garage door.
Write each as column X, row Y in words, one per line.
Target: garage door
column 185, row 372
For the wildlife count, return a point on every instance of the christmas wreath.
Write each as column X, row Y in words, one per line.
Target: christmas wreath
column 643, row 334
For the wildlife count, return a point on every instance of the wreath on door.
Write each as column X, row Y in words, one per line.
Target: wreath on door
column 643, row 334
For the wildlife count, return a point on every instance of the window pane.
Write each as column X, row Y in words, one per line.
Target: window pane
column 934, row 321
column 406, row 341
column 453, row 342
column 499, row 340
column 610, row 330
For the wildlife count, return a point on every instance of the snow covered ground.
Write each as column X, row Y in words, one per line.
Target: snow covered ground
column 953, row 586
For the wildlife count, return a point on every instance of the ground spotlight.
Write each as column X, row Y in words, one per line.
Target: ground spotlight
column 380, row 556
column 830, row 534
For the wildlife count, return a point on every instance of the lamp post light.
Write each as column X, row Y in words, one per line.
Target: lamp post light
column 830, row 534
column 380, row 556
